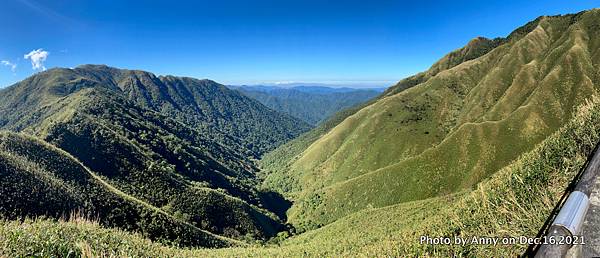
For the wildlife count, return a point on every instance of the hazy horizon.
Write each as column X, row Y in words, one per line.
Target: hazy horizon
column 330, row 84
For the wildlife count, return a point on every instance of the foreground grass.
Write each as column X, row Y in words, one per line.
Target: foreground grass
column 514, row 202
column 48, row 238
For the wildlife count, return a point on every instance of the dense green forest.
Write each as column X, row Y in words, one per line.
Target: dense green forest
column 222, row 114
column 98, row 161
column 174, row 144
column 312, row 104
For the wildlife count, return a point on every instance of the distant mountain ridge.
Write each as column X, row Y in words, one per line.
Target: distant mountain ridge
column 308, row 88
column 312, row 104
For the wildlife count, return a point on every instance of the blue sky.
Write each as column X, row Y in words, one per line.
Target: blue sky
column 250, row 42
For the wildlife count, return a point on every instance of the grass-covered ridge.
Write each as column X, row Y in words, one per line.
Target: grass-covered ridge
column 515, row 201
column 276, row 164
column 452, row 130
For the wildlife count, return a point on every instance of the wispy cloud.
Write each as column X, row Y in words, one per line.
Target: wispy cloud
column 45, row 11
column 37, row 57
column 13, row 66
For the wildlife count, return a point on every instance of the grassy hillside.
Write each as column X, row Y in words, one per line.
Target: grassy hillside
column 313, row 106
column 276, row 164
column 454, row 129
column 514, row 201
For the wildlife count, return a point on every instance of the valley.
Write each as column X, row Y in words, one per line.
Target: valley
column 101, row 161
column 312, row 104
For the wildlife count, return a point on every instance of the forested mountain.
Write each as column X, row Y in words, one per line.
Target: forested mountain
column 182, row 146
column 312, row 104
column 40, row 180
column 203, row 104
column 484, row 143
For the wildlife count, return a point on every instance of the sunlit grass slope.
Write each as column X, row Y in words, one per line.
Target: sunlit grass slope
column 276, row 164
column 455, row 128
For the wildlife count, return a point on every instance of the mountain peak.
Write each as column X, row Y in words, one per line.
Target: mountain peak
column 94, row 66
column 478, row 40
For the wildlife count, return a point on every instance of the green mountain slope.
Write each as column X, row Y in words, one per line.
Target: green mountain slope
column 275, row 164
column 482, row 144
column 515, row 201
column 455, row 128
column 145, row 144
column 203, row 104
column 40, row 180
column 310, row 106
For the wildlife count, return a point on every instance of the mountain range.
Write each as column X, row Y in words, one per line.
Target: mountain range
column 98, row 160
column 182, row 148
column 312, row 104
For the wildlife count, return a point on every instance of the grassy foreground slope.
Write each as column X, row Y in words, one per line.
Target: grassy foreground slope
column 513, row 202
column 41, row 180
column 456, row 128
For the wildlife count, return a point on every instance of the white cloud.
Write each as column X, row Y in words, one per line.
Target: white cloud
column 13, row 67
column 38, row 57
